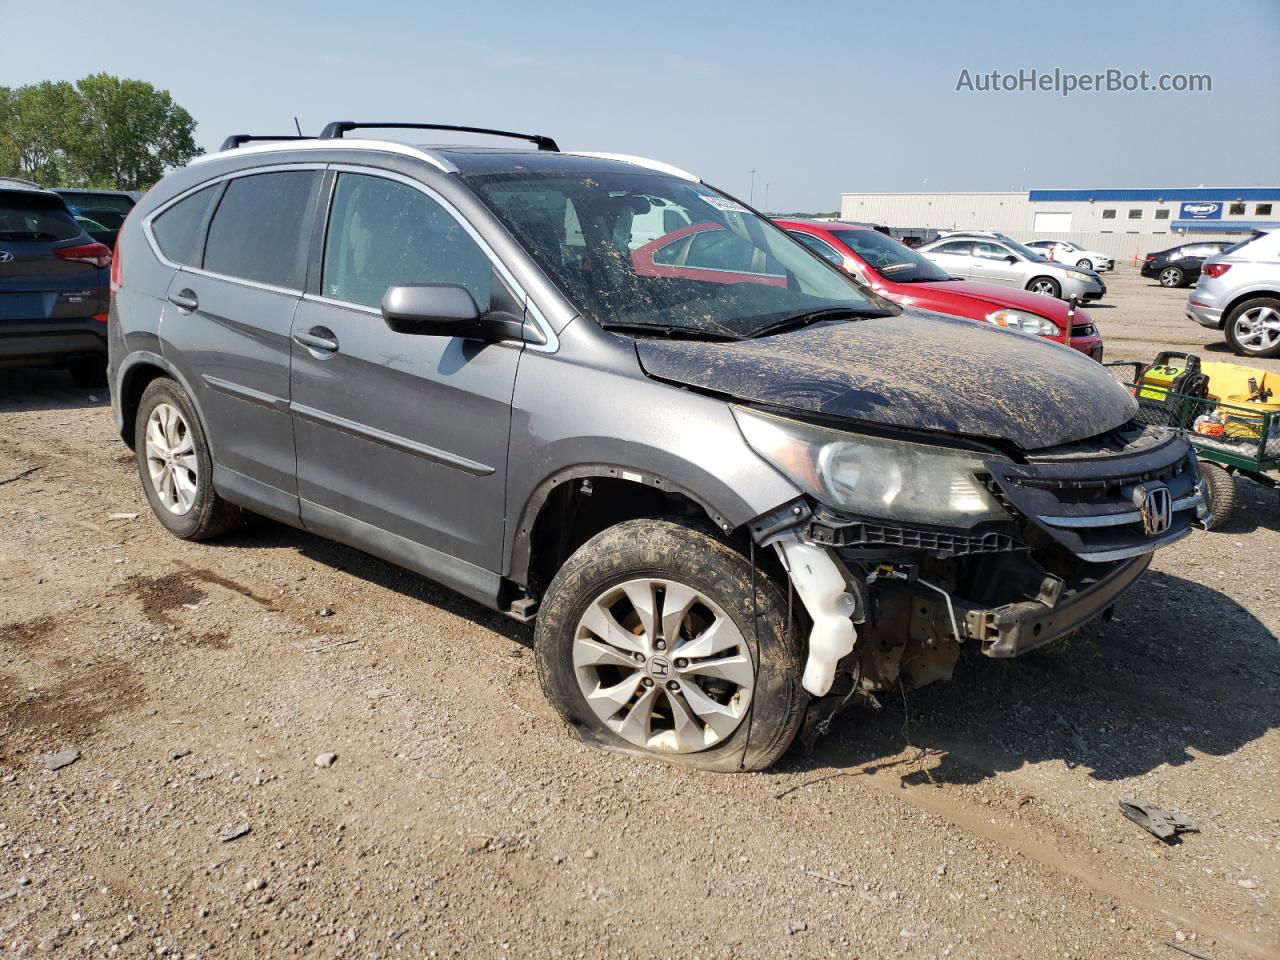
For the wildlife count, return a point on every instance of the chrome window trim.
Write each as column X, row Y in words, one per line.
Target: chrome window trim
column 148, row 232
column 553, row 342
column 385, row 146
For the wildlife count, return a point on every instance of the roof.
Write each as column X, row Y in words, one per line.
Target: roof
column 1165, row 194
column 18, row 183
column 824, row 224
column 462, row 159
column 1224, row 226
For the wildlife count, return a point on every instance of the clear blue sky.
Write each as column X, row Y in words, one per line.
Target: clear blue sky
column 818, row 97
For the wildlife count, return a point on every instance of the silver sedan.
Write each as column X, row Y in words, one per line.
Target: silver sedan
column 1005, row 261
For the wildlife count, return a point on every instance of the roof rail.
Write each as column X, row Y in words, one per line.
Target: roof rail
column 23, row 181
column 337, row 128
column 236, row 139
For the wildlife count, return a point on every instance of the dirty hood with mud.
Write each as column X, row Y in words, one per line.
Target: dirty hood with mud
column 918, row 370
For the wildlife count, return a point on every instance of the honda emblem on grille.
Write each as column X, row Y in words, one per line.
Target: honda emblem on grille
column 1155, row 504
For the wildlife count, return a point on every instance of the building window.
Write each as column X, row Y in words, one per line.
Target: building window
column 1237, row 210
column 1108, row 214
column 1262, row 210
column 1162, row 214
column 1135, row 214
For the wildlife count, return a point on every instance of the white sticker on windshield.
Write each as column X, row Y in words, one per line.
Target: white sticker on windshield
column 723, row 203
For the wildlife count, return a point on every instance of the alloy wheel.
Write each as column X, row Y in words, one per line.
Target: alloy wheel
column 663, row 666
column 1044, row 287
column 1170, row 277
column 1258, row 329
column 171, row 458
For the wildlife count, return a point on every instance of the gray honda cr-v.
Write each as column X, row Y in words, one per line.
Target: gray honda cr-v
column 736, row 489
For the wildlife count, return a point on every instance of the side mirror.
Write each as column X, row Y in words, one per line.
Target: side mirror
column 1011, row 259
column 430, row 309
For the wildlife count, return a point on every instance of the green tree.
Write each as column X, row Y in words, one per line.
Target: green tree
column 128, row 133
column 34, row 125
column 102, row 131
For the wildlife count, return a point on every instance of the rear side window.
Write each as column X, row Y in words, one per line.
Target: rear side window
column 383, row 233
column 98, row 201
column 258, row 230
column 35, row 217
column 177, row 230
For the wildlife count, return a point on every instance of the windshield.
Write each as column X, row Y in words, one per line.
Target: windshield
column 1028, row 252
column 640, row 251
column 889, row 258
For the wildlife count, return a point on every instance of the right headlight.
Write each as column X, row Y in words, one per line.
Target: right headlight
column 888, row 479
column 1021, row 320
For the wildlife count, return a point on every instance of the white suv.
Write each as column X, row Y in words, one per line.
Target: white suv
column 1239, row 294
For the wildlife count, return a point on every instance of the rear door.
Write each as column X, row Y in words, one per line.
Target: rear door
column 401, row 438
column 226, row 326
column 44, row 279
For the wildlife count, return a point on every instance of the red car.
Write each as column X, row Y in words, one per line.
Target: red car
column 900, row 274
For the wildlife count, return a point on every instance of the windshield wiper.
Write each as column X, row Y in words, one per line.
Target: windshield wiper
column 817, row 316
column 667, row 330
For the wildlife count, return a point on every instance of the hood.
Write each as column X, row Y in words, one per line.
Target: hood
column 998, row 296
column 920, row 370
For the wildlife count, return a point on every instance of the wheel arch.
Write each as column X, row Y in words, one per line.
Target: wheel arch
column 1257, row 292
column 135, row 375
column 575, row 503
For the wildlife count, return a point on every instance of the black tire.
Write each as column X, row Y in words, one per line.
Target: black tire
column 88, row 371
column 673, row 550
column 1221, row 488
column 1171, row 277
column 1237, row 312
column 1085, row 262
column 209, row 515
column 1053, row 287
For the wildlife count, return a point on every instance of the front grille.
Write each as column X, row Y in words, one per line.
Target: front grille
column 875, row 536
column 1088, row 505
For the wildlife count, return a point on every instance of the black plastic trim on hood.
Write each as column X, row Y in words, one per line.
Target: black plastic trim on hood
column 916, row 371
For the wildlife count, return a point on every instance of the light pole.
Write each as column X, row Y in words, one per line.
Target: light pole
column 751, row 197
column 766, row 196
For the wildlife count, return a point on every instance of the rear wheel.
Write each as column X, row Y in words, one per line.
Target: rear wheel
column 1222, row 494
column 88, row 371
column 1047, row 286
column 175, row 465
column 646, row 643
column 1253, row 328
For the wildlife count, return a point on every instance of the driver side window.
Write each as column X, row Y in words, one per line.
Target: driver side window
column 990, row 251
column 383, row 233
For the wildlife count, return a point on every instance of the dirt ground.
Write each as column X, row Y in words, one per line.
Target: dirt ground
column 200, row 683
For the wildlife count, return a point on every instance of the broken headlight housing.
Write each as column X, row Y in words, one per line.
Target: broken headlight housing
column 872, row 476
column 1024, row 321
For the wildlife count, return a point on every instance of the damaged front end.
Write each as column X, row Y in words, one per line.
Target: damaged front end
column 1006, row 554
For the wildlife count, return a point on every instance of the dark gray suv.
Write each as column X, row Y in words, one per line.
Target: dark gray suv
column 736, row 490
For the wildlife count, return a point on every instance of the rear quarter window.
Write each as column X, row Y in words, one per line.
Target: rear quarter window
column 35, row 217
column 257, row 232
column 178, row 230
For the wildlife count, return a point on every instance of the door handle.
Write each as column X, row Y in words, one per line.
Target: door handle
column 185, row 300
column 318, row 338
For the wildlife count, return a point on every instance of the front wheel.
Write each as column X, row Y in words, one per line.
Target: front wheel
column 1046, row 286
column 1171, row 277
column 1086, row 263
column 175, row 465
column 650, row 642
column 1253, row 328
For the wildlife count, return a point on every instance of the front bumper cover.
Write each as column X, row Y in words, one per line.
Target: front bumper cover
column 1016, row 628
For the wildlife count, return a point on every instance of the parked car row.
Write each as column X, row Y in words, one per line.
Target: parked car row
column 996, row 258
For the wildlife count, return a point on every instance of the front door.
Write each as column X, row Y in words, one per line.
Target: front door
column 991, row 262
column 401, row 438
column 953, row 256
